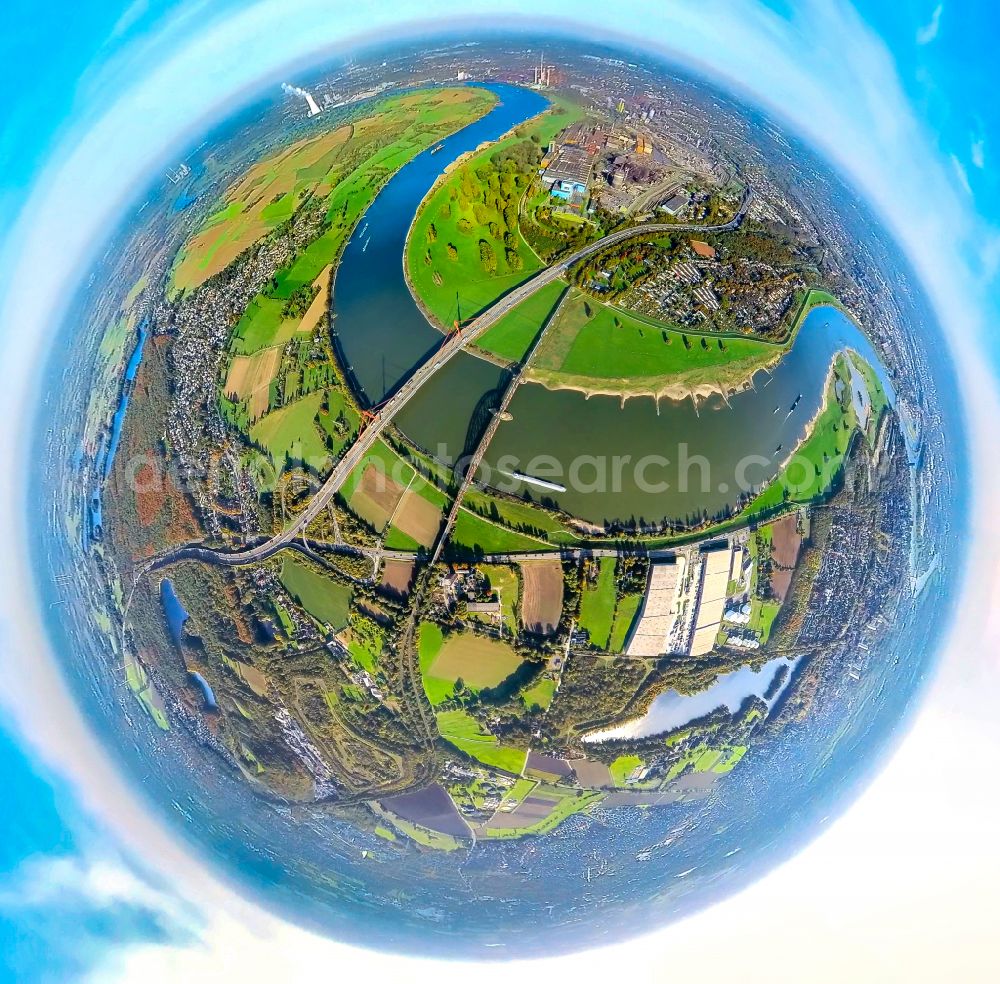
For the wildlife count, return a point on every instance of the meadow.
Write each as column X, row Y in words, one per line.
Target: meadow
column 478, row 661
column 513, row 334
column 328, row 601
column 597, row 603
column 476, row 535
column 461, row 730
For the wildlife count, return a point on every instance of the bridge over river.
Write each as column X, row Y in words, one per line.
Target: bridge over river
column 385, row 413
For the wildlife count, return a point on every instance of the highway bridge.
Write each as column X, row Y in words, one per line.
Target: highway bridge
column 383, row 415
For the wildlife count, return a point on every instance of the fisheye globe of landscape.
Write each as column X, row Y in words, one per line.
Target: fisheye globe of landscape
column 498, row 495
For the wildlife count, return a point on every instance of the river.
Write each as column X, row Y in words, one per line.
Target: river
column 642, row 461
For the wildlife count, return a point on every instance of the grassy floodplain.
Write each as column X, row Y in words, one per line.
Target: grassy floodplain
column 596, row 348
column 443, row 258
column 521, row 516
column 818, row 460
column 510, row 337
column 474, row 534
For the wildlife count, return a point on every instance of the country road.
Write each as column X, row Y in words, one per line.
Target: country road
column 384, row 415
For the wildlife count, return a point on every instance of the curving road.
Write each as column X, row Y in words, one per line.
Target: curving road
column 449, row 348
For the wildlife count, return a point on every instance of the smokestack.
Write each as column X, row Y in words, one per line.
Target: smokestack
column 294, row 90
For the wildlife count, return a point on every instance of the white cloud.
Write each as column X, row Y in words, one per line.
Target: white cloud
column 978, row 152
column 961, row 173
column 927, row 33
column 853, row 108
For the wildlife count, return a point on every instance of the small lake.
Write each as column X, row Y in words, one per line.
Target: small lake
column 174, row 610
column 672, row 710
column 127, row 385
column 209, row 694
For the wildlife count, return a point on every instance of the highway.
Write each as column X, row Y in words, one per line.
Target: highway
column 384, row 415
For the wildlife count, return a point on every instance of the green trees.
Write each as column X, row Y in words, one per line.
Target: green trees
column 487, row 256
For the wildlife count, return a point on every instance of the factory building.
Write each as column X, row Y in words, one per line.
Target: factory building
column 567, row 173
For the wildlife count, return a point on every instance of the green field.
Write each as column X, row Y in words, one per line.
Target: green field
column 478, row 661
column 445, row 262
column 623, row 767
column 511, row 336
column 522, row 516
column 540, row 694
column 328, row 601
column 597, row 604
column 704, row 758
column 762, row 616
column 591, row 341
column 147, row 694
column 625, row 613
column 290, row 434
column 480, row 535
column 430, row 639
column 461, row 730
column 262, row 326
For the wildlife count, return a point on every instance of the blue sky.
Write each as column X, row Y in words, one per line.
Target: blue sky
column 902, row 91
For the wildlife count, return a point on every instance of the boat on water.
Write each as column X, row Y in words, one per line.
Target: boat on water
column 777, row 449
column 531, row 480
column 363, row 231
column 435, row 149
column 776, row 409
column 365, row 247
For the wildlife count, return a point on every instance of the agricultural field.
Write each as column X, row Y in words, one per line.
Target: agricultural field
column 541, row 811
column 290, row 434
column 360, row 155
column 542, row 595
column 397, row 576
column 249, row 379
column 466, row 238
column 597, row 603
column 392, row 497
column 589, row 341
column 327, row 600
column 479, row 662
column 463, row 731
